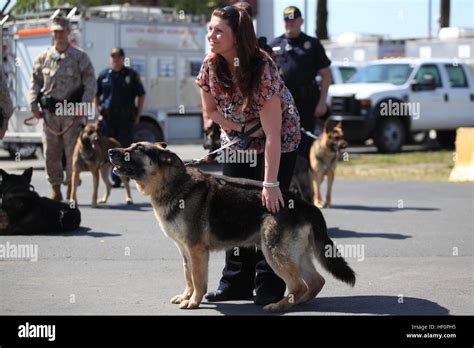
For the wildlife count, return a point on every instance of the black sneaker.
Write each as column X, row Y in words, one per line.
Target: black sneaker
column 226, row 295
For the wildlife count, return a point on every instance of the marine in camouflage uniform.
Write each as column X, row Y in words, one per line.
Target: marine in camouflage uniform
column 6, row 107
column 59, row 73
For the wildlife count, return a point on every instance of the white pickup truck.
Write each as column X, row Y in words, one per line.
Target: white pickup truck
column 390, row 99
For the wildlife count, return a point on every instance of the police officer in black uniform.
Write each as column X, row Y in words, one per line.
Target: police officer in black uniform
column 117, row 90
column 300, row 58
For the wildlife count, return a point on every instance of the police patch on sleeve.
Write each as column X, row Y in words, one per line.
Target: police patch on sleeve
column 307, row 45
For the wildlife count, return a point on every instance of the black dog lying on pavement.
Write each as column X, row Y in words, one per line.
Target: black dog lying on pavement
column 28, row 213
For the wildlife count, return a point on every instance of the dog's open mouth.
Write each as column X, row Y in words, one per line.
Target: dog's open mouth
column 120, row 166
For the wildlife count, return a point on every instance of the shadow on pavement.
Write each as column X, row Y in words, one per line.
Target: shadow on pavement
column 384, row 305
column 382, row 209
column 378, row 305
column 335, row 232
column 129, row 207
column 85, row 232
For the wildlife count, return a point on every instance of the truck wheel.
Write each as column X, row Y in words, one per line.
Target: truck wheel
column 24, row 150
column 389, row 135
column 148, row 131
column 446, row 139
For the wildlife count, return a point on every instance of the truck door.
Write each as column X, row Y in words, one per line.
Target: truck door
column 432, row 103
column 459, row 96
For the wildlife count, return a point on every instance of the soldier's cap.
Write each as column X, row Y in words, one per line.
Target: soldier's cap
column 117, row 51
column 291, row 12
column 60, row 23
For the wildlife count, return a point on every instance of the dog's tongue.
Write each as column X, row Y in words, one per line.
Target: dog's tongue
column 94, row 145
column 338, row 153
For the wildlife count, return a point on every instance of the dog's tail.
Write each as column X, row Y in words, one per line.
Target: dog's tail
column 325, row 250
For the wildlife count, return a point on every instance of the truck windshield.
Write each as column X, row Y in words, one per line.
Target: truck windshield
column 383, row 73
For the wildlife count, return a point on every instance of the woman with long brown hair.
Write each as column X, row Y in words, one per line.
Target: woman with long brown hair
column 240, row 88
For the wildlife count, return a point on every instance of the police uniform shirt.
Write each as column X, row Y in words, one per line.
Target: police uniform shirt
column 299, row 59
column 119, row 88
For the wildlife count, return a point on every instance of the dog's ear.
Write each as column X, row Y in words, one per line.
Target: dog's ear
column 338, row 125
column 27, row 174
column 162, row 144
column 170, row 158
column 327, row 126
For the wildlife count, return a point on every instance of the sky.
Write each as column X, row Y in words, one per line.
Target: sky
column 393, row 18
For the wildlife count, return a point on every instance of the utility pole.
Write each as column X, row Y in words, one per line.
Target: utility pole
column 429, row 19
column 444, row 17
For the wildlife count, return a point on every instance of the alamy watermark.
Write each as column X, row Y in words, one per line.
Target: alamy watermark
column 238, row 156
column 356, row 251
column 28, row 330
column 10, row 251
column 391, row 108
column 66, row 108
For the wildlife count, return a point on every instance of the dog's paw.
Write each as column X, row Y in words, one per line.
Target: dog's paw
column 318, row 204
column 188, row 304
column 103, row 201
column 273, row 308
column 94, row 204
column 129, row 201
column 179, row 298
column 327, row 205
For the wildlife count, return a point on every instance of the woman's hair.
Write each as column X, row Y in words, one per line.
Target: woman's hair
column 250, row 63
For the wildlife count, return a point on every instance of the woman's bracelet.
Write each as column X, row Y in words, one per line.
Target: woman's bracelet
column 271, row 184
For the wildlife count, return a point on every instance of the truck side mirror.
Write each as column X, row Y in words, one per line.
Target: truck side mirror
column 427, row 84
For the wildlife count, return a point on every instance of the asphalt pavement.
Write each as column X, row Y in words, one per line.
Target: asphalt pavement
column 410, row 243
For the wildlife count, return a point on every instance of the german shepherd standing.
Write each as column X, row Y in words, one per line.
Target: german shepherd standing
column 323, row 157
column 201, row 212
column 90, row 154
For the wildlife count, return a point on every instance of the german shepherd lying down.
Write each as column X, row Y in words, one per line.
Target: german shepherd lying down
column 28, row 213
column 201, row 212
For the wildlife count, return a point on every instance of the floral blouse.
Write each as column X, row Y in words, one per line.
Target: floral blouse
column 270, row 83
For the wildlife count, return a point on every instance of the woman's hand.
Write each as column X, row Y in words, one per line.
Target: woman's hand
column 272, row 199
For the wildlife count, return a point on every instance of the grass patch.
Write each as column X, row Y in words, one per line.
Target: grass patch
column 424, row 166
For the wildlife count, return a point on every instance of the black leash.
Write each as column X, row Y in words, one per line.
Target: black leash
column 243, row 136
column 308, row 133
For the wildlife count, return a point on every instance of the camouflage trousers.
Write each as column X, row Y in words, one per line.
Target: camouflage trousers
column 55, row 145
